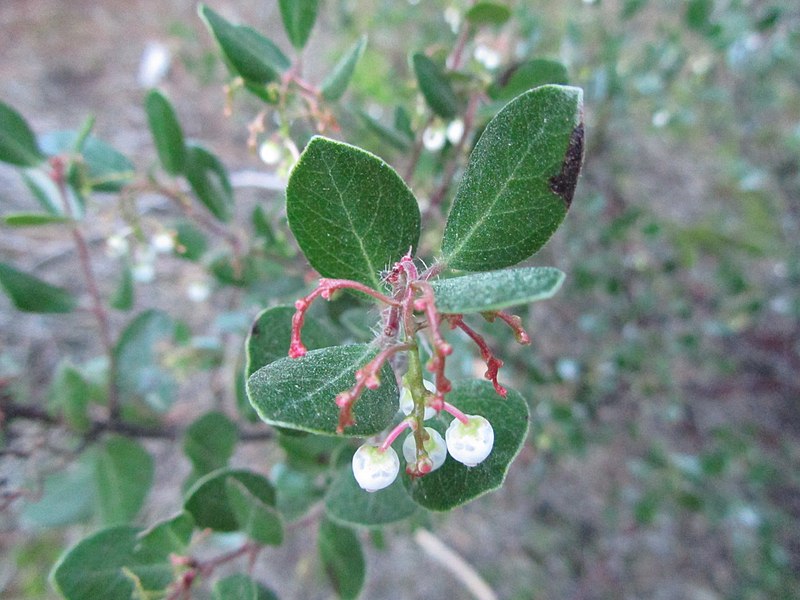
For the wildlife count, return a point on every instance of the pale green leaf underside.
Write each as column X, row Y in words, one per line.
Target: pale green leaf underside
column 454, row 484
column 335, row 84
column 347, row 503
column 351, row 213
column 496, row 290
column 260, row 521
column 123, row 476
column 299, row 393
column 519, row 181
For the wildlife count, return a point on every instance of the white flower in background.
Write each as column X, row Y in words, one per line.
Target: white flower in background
column 661, row 118
column 433, row 138
column 452, row 16
column 198, row 291
column 270, row 153
column 163, row 242
column 434, row 446
column 488, row 57
column 407, row 401
column 471, row 442
column 154, row 64
column 117, row 245
column 144, row 269
column 375, row 469
column 455, row 131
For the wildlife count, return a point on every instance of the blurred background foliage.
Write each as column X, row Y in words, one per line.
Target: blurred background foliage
column 665, row 455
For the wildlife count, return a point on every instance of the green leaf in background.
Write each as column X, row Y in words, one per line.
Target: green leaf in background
column 208, row 502
column 190, row 241
column 395, row 138
column 519, row 182
column 298, row 19
column 259, row 521
column 246, row 51
column 299, row 393
column 496, row 290
column 347, row 503
column 209, row 442
column 123, row 476
column 166, row 131
column 169, row 536
column 342, row 558
column 42, row 187
column 103, row 168
column 296, row 491
column 209, row 181
column 488, row 13
column 17, row 142
column 454, row 484
column 527, row 75
column 70, row 395
column 139, row 373
column 33, row 219
column 309, row 453
column 271, row 332
column 123, row 296
column 31, row 294
column 68, row 496
column 335, row 84
column 351, row 213
column 241, row 587
column 435, row 87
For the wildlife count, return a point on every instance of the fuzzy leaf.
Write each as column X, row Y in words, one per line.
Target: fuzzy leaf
column 435, row 87
column 123, row 476
column 298, row 19
column 334, row 85
column 209, row 442
column 348, row 504
column 241, row 587
column 31, row 294
column 351, row 213
column 17, row 142
column 454, row 484
column 208, row 501
column 496, row 290
column 167, row 132
column 258, row 520
column 169, row 536
column 209, row 181
column 68, row 496
column 519, row 181
column 527, row 75
column 342, row 558
column 488, row 13
column 248, row 53
column 299, row 393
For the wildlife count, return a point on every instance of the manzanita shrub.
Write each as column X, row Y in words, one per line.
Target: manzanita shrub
column 378, row 414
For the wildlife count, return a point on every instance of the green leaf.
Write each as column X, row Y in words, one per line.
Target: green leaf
column 342, row 558
column 70, row 394
column 299, row 392
column 139, row 373
column 17, row 142
column 31, row 294
column 255, row 58
column 496, row 290
column 488, row 13
column 208, row 500
column 209, row 181
column 298, row 19
column 309, row 453
column 190, row 242
column 241, row 587
column 123, row 476
column 348, row 504
column 167, row 132
column 454, row 484
column 102, row 168
column 527, row 75
column 169, row 536
column 351, row 213
column 44, row 190
column 519, row 181
column 395, row 138
column 123, row 296
column 435, row 87
column 258, row 520
column 67, row 496
column 34, row 219
column 209, row 442
column 296, row 491
column 334, row 85
column 271, row 332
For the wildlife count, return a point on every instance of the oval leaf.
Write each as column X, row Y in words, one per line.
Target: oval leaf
column 435, row 87
column 496, row 290
column 241, row 587
column 519, row 182
column 335, row 84
column 454, row 484
column 209, row 442
column 488, row 13
column 252, row 56
column 208, row 501
column 348, row 504
column 167, row 132
column 298, row 19
column 342, row 558
column 31, row 294
column 258, row 520
column 351, row 213
column 527, row 75
column 299, row 393
column 104, row 168
column 209, row 181
column 123, row 476
column 17, row 142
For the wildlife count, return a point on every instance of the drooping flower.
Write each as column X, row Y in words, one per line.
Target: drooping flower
column 471, row 442
column 375, row 469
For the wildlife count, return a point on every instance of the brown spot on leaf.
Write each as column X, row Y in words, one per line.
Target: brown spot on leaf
column 565, row 182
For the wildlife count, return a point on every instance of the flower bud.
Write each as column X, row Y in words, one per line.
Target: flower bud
column 471, row 442
column 407, row 401
column 434, row 446
column 375, row 469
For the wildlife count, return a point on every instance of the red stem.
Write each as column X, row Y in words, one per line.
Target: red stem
column 493, row 363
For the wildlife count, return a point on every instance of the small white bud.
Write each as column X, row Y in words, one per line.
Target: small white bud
column 270, row 153
column 375, row 469
column 433, row 138
column 407, row 401
column 154, row 64
column 434, row 446
column 198, row 291
column 455, row 131
column 471, row 442
column 117, row 246
column 163, row 242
